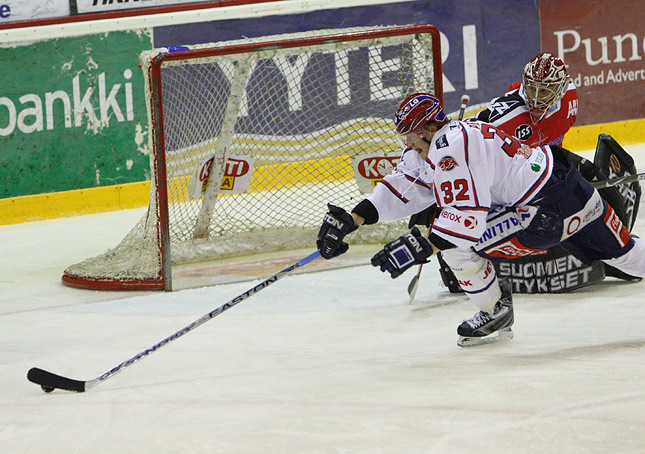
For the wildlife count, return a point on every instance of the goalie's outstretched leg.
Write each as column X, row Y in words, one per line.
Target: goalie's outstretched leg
column 487, row 327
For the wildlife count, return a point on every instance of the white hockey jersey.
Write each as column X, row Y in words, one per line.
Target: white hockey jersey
column 471, row 168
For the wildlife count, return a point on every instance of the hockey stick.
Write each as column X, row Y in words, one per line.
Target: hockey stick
column 48, row 381
column 616, row 181
column 465, row 99
column 414, row 283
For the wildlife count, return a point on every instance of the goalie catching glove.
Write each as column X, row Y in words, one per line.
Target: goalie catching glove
column 402, row 253
column 336, row 224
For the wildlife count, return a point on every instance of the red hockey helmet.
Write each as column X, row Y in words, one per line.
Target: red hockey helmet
column 544, row 82
column 416, row 110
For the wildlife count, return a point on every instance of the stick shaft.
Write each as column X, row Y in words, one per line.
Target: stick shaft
column 465, row 99
column 616, row 181
column 49, row 380
column 238, row 299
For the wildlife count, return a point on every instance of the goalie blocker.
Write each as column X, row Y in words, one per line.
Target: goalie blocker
column 555, row 270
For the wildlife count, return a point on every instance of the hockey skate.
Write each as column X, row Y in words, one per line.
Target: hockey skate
column 484, row 327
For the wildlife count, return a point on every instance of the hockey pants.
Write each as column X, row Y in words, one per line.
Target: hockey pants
column 570, row 213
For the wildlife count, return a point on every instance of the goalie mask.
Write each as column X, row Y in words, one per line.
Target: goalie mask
column 544, row 83
column 416, row 110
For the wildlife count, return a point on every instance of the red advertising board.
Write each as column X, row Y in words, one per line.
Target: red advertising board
column 603, row 44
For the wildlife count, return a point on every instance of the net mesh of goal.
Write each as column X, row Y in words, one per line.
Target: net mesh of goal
column 249, row 140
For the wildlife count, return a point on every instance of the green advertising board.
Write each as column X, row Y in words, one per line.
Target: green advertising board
column 73, row 114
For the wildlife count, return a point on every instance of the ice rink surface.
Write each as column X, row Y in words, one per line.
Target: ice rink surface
column 327, row 362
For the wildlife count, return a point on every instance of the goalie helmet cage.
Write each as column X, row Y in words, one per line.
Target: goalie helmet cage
column 250, row 139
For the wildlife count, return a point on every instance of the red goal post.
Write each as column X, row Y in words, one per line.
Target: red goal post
column 250, row 139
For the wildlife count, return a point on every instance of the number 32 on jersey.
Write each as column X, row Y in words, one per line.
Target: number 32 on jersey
column 456, row 190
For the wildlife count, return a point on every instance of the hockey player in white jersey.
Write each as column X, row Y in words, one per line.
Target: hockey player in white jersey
column 540, row 111
column 472, row 170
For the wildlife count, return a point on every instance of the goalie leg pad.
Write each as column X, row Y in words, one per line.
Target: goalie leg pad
column 614, row 161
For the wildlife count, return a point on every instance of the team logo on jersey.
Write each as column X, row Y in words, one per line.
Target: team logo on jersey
column 441, row 142
column 470, row 222
column 448, row 163
column 499, row 109
column 573, row 108
column 523, row 132
column 525, row 151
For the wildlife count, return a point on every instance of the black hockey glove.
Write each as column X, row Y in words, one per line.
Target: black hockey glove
column 400, row 254
column 425, row 217
column 336, row 224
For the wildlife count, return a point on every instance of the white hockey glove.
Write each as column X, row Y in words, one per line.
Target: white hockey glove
column 402, row 253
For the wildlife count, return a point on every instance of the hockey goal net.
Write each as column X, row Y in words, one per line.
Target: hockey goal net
column 250, row 139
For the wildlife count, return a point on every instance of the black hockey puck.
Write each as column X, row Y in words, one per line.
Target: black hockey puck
column 47, row 389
